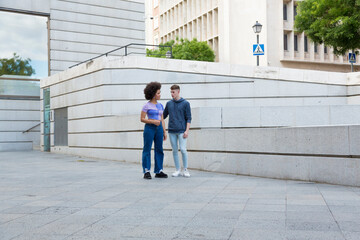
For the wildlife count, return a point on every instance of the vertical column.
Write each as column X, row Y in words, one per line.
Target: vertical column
column 210, row 25
column 190, row 31
column 185, row 31
column 197, row 7
column 311, row 51
column 321, row 52
column 181, row 13
column 301, row 46
column 341, row 58
column 199, row 26
column 194, row 35
column 331, row 54
column 216, row 48
column 291, row 45
column 215, row 22
column 204, row 4
column 204, row 30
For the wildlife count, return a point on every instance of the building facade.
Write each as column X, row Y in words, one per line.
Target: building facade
column 226, row 25
column 82, row 29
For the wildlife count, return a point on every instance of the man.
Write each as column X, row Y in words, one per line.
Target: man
column 179, row 112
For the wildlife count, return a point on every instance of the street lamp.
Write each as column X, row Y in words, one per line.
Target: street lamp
column 257, row 29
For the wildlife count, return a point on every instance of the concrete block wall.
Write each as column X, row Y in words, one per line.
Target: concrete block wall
column 246, row 120
column 328, row 154
column 83, row 29
column 19, row 114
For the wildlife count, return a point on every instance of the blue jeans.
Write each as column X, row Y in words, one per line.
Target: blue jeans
column 174, row 138
column 153, row 133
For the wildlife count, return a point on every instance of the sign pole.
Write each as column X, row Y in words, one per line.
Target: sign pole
column 257, row 57
column 352, row 60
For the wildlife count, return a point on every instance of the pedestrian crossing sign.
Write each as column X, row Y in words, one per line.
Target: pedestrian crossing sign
column 352, row 58
column 258, row 49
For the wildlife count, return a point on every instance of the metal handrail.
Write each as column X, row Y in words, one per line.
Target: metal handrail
column 126, row 51
column 31, row 128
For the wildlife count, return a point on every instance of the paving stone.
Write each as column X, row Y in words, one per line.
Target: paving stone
column 311, row 226
column 9, row 217
column 205, row 233
column 350, row 226
column 314, row 235
column 163, row 232
column 257, row 234
column 265, row 207
column 310, row 216
column 31, row 236
column 351, row 235
column 262, row 215
column 269, row 225
column 53, row 196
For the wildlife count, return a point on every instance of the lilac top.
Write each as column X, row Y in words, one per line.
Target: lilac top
column 153, row 111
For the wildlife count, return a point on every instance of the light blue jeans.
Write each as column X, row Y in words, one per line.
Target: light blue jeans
column 174, row 138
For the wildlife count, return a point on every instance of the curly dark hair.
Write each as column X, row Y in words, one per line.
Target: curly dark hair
column 151, row 89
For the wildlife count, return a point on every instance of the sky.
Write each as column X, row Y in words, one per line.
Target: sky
column 25, row 35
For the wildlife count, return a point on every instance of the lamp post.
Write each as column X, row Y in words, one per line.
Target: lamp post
column 257, row 29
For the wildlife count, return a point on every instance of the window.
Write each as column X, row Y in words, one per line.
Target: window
column 315, row 48
column 295, row 11
column 305, row 44
column 285, row 11
column 295, row 43
column 285, row 42
column 325, row 50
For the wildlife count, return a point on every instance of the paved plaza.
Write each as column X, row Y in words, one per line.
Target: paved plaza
column 51, row 196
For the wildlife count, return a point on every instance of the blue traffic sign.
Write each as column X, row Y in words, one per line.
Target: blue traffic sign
column 352, row 57
column 258, row 49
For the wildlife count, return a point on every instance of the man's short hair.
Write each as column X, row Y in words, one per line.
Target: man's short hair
column 175, row 87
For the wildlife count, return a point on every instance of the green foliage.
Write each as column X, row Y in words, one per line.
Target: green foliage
column 16, row 66
column 335, row 23
column 185, row 49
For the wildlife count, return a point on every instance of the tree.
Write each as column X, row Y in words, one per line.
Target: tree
column 16, row 66
column 335, row 23
column 185, row 49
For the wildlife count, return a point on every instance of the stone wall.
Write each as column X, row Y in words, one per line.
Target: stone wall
column 83, row 29
column 271, row 122
column 19, row 113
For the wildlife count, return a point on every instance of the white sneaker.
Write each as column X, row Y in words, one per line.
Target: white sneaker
column 176, row 173
column 186, row 173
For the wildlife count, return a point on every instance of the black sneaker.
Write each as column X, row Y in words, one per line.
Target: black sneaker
column 161, row 175
column 147, row 175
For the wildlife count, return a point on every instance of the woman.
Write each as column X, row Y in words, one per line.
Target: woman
column 154, row 130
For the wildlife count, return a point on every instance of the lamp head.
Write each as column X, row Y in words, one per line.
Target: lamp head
column 257, row 27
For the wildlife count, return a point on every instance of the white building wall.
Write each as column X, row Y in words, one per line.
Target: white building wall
column 83, row 29
column 259, row 121
column 19, row 113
